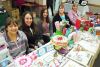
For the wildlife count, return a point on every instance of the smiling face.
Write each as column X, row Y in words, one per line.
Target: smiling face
column 12, row 28
column 75, row 7
column 45, row 13
column 61, row 9
column 28, row 19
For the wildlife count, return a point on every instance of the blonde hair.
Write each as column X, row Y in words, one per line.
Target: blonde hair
column 75, row 4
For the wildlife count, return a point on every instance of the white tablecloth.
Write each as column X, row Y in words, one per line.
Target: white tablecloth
column 46, row 58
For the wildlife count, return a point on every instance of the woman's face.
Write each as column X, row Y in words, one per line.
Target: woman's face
column 12, row 28
column 28, row 19
column 75, row 8
column 45, row 13
column 61, row 10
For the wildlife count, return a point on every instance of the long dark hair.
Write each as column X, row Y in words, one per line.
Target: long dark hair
column 41, row 16
column 24, row 26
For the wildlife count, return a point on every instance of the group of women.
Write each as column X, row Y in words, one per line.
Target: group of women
column 21, row 37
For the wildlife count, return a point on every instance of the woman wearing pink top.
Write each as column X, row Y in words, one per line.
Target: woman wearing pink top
column 74, row 14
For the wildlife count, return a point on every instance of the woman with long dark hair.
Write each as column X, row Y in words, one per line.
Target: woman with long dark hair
column 44, row 25
column 30, row 29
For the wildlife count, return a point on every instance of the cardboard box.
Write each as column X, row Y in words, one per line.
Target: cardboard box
column 15, row 13
column 7, row 5
column 98, row 33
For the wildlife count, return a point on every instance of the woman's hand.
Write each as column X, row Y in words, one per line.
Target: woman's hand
column 48, row 34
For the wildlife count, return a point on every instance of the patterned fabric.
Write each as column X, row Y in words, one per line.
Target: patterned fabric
column 58, row 18
column 88, row 24
column 45, row 28
column 74, row 16
column 19, row 47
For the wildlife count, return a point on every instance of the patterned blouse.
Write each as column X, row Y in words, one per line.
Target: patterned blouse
column 19, row 47
column 74, row 16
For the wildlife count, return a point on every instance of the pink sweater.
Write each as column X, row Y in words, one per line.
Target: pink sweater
column 73, row 16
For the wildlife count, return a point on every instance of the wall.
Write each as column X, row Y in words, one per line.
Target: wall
column 41, row 2
column 94, row 5
column 95, row 2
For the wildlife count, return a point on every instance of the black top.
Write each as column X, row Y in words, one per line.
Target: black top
column 58, row 18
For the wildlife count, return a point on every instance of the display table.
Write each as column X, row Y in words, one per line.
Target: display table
column 83, row 54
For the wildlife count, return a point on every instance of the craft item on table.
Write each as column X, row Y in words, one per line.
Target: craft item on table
column 76, row 37
column 86, row 36
column 82, row 25
column 81, row 28
column 69, row 30
column 90, row 46
column 63, row 51
column 88, row 24
column 33, row 55
column 71, row 43
column 58, row 32
column 79, row 48
column 92, row 18
column 60, row 43
column 39, row 63
column 64, row 62
column 57, row 25
column 71, row 63
column 64, row 31
column 41, row 51
column 59, row 40
column 49, row 48
column 48, row 58
column 81, row 57
column 58, row 28
column 89, row 13
column 91, row 30
column 83, row 19
column 72, row 35
column 54, row 63
column 60, row 58
column 23, row 61
column 5, row 62
column 4, row 54
column 78, row 23
column 63, row 23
